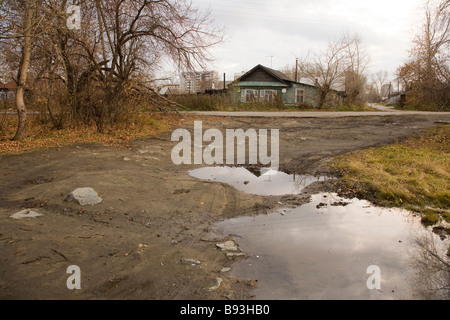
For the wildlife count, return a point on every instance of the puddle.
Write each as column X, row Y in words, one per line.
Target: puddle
column 263, row 182
column 321, row 250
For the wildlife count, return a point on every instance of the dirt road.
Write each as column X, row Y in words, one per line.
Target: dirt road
column 154, row 217
column 382, row 111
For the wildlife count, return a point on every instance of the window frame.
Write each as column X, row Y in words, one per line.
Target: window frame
column 299, row 93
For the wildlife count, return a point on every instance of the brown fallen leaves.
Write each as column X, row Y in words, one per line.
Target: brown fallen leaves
column 40, row 136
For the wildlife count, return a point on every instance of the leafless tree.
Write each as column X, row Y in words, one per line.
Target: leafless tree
column 342, row 66
column 356, row 62
column 325, row 69
column 427, row 72
column 372, row 93
column 113, row 57
column 136, row 34
column 379, row 79
column 432, row 280
column 19, row 25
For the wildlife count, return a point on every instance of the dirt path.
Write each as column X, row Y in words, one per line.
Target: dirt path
column 382, row 108
column 383, row 111
column 154, row 216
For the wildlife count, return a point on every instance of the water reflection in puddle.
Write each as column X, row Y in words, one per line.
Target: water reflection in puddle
column 321, row 250
column 261, row 182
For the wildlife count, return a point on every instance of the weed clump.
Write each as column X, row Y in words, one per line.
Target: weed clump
column 413, row 174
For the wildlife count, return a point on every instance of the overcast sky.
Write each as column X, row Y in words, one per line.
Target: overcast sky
column 273, row 33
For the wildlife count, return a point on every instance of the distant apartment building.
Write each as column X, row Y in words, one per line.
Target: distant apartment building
column 198, row 81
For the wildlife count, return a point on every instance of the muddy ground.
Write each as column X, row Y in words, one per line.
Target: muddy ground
column 153, row 214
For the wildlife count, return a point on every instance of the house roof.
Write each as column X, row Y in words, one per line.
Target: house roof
column 278, row 75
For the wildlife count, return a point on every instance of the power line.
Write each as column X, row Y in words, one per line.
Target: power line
column 266, row 12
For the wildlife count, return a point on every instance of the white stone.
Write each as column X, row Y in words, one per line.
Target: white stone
column 228, row 245
column 84, row 196
column 218, row 283
column 239, row 254
column 26, row 214
column 190, row 261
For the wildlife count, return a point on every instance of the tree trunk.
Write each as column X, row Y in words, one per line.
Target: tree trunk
column 22, row 113
column 23, row 73
column 322, row 99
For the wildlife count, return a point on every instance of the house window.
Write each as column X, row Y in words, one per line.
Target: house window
column 299, row 96
column 268, row 95
column 249, row 95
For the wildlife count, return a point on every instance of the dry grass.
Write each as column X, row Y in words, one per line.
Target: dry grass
column 414, row 174
column 40, row 136
column 224, row 102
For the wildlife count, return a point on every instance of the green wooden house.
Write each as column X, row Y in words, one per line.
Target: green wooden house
column 262, row 84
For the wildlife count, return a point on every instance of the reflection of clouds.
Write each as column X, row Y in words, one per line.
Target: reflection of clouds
column 269, row 182
column 324, row 253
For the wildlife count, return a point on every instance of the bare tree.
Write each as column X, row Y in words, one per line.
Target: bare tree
column 23, row 70
column 325, row 69
column 372, row 93
column 132, row 38
column 111, row 60
column 427, row 73
column 21, row 34
column 379, row 79
column 342, row 65
column 356, row 63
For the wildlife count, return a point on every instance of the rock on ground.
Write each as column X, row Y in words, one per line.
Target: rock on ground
column 26, row 214
column 84, row 196
column 228, row 245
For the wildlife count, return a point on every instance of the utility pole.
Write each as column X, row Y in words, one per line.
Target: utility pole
column 296, row 70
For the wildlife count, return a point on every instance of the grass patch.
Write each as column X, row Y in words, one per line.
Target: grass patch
column 413, row 174
column 40, row 136
column 430, row 217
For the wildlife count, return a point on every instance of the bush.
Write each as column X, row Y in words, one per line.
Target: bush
column 203, row 102
column 305, row 106
column 222, row 102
